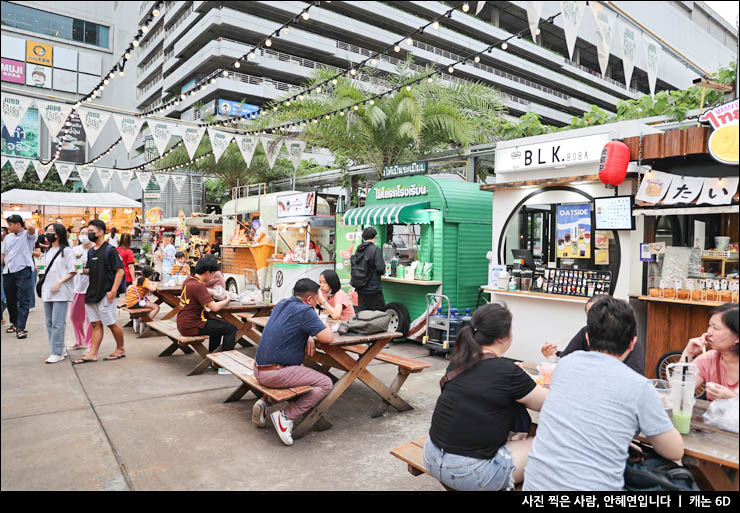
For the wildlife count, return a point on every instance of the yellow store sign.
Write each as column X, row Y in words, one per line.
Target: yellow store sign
column 38, row 53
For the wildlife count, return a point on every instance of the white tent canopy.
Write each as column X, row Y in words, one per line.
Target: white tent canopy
column 68, row 199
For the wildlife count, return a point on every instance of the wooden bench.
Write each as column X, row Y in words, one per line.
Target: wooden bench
column 138, row 316
column 185, row 344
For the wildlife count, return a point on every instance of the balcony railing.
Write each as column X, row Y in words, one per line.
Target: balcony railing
column 152, row 60
column 597, row 74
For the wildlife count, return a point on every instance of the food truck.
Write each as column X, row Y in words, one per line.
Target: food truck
column 211, row 228
column 434, row 233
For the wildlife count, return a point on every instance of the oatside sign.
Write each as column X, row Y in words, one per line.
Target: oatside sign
column 414, row 168
column 561, row 153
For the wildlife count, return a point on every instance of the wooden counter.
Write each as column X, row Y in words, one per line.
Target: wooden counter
column 538, row 295
column 711, row 304
column 410, row 282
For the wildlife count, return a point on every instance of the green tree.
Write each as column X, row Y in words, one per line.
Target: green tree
column 31, row 181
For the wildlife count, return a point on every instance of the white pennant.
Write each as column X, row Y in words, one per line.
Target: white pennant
column 85, row 174
column 295, row 152
column 128, row 128
column 219, row 141
column 93, row 121
column 718, row 191
column 191, row 139
column 14, row 108
column 272, row 147
column 54, row 115
column 105, row 174
column 628, row 41
column 125, row 177
column 604, row 26
column 4, row 160
column 161, row 132
column 42, row 170
column 64, row 170
column 479, row 8
column 162, row 179
column 534, row 10
column 653, row 52
column 143, row 177
column 179, row 181
column 246, row 144
column 19, row 166
column 572, row 16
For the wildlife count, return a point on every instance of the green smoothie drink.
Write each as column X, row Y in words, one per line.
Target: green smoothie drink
column 682, row 421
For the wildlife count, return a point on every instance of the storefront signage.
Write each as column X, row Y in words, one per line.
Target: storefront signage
column 562, row 153
column 231, row 108
column 39, row 53
column 723, row 143
column 400, row 191
column 13, row 71
column 413, row 168
column 302, row 204
column 38, row 76
column 675, row 189
column 574, row 231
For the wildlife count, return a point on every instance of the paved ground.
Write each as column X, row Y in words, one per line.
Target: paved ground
column 141, row 423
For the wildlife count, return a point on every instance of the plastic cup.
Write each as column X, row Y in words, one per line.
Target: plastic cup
column 664, row 391
column 682, row 377
column 546, row 369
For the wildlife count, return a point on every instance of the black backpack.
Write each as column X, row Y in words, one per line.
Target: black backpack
column 650, row 472
column 362, row 266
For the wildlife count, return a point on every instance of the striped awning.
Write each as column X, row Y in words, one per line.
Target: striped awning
column 388, row 214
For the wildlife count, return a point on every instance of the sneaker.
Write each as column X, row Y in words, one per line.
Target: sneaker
column 259, row 413
column 64, row 353
column 54, row 358
column 283, row 426
column 221, row 370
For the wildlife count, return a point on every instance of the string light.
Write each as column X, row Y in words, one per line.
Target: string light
column 305, row 15
column 465, row 7
column 435, row 24
column 505, row 45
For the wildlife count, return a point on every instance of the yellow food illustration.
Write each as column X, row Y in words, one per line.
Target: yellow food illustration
column 724, row 144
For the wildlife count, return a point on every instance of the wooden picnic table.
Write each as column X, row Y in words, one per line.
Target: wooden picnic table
column 333, row 355
column 241, row 316
column 170, row 296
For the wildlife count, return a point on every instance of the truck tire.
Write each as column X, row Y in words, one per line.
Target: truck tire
column 400, row 319
column 231, row 286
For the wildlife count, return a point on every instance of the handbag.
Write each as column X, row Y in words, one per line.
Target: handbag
column 40, row 281
column 647, row 471
column 368, row 322
column 141, row 301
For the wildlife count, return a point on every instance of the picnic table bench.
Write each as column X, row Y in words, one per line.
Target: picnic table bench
column 184, row 343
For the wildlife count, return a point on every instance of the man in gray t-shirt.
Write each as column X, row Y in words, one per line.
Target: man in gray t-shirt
column 595, row 408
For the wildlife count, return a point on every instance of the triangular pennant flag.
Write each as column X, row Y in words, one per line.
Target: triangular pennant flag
column 93, row 121
column 179, row 181
column 191, row 138
column 162, row 179
column 572, row 15
column 628, row 40
column 42, row 170
column 219, row 141
column 295, row 152
column 125, row 177
column 653, row 52
column 479, row 8
column 4, row 160
column 272, row 146
column 105, row 174
column 718, row 191
column 128, row 128
column 85, row 173
column 534, row 10
column 19, row 166
column 64, row 170
column 247, row 144
column 161, row 132
column 143, row 177
column 604, row 26
column 54, row 115
column 14, row 108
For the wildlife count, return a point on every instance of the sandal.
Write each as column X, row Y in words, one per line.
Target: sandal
column 114, row 357
column 11, row 329
column 21, row 334
column 83, row 360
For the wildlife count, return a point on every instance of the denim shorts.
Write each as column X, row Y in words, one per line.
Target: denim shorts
column 466, row 474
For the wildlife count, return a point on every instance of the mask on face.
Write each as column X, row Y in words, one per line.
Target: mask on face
column 84, row 239
column 93, row 237
column 51, row 237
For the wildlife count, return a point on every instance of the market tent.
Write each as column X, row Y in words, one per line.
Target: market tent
column 388, row 214
column 68, row 199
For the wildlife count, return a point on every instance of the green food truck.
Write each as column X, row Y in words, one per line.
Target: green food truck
column 434, row 234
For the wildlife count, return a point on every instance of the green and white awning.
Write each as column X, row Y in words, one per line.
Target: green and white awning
column 390, row 213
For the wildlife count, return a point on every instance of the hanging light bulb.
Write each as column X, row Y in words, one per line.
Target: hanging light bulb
column 409, row 41
column 353, row 72
column 287, row 104
column 356, row 107
column 121, row 73
column 477, row 58
column 213, row 80
column 436, row 24
column 155, row 12
column 505, row 45
column 127, row 56
column 451, row 69
column 144, row 29
column 372, row 102
column 111, row 75
column 237, row 65
column 305, row 16
column 538, row 31
column 318, row 89
column 466, row 7
column 396, row 48
column 203, row 87
column 334, row 81
column 268, row 42
column 285, row 30
column 408, row 88
column 341, row 113
column 106, row 81
column 373, row 62
column 429, row 80
column 252, row 55
column 225, row 73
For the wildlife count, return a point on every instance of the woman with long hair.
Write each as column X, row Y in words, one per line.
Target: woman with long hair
column 483, row 397
column 333, row 299
column 127, row 256
column 77, row 316
column 57, row 290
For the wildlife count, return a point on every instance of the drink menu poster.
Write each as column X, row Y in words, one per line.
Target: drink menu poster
column 574, row 231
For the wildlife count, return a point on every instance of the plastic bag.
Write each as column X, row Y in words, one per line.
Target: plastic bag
column 250, row 296
column 723, row 413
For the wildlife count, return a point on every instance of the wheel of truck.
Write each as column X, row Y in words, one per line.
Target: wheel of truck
column 400, row 319
column 231, row 286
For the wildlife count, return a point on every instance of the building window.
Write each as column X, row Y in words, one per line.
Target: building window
column 55, row 25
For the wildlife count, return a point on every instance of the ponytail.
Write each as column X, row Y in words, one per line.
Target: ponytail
column 490, row 322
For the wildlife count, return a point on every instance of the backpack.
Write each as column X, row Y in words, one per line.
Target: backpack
column 651, row 472
column 362, row 266
column 367, row 322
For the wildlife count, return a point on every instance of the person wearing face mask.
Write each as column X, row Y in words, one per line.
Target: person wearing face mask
column 57, row 290
column 77, row 315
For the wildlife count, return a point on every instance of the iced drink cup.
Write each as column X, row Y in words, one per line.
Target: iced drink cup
column 682, row 377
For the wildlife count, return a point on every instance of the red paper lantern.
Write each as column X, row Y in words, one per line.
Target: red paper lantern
column 615, row 157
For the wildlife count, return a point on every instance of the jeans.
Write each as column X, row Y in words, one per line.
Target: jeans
column 217, row 330
column 19, row 289
column 466, row 474
column 56, row 323
column 2, row 295
column 35, row 278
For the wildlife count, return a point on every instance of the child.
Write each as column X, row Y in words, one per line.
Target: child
column 138, row 291
column 180, row 267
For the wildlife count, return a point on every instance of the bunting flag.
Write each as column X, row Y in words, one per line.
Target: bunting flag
column 125, row 177
column 479, row 8
column 54, row 115
column 93, row 121
column 179, row 181
column 14, row 108
column 572, row 16
column 604, row 26
column 219, row 141
column 534, row 10
column 628, row 39
column 272, row 146
column 295, row 152
column 653, row 52
column 42, row 170
column 718, row 191
column 86, row 173
column 4, row 160
column 162, row 179
column 105, row 174
column 161, row 132
column 143, row 177
column 246, row 144
column 64, row 170
column 683, row 189
column 191, row 138
column 128, row 128
column 19, row 166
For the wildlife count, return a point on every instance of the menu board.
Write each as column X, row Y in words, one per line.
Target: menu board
column 574, row 231
column 301, row 204
column 614, row 213
column 572, row 282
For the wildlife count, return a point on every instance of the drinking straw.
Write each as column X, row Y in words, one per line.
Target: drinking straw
column 683, row 380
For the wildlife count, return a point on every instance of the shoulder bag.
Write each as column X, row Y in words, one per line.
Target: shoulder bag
column 40, row 282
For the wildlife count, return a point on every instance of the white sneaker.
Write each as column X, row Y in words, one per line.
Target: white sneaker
column 54, row 358
column 283, row 426
column 259, row 413
column 64, row 353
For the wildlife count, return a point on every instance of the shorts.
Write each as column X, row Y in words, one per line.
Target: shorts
column 465, row 474
column 103, row 311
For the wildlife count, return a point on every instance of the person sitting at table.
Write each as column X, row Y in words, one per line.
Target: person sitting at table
column 332, row 299
column 180, row 267
column 194, row 299
column 288, row 337
column 595, row 407
column 635, row 360
column 483, row 398
column 137, row 292
column 718, row 367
